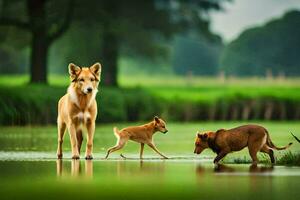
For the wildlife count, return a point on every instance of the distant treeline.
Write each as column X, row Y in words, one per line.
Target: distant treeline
column 36, row 104
column 272, row 49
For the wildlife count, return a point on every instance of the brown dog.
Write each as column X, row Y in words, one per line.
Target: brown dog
column 224, row 141
column 141, row 134
column 78, row 107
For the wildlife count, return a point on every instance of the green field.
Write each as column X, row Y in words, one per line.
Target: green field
column 189, row 88
column 28, row 163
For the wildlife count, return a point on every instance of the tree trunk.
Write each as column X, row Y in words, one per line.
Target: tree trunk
column 38, row 59
column 39, row 41
column 110, row 54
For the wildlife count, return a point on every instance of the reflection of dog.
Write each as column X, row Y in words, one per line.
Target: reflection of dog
column 141, row 134
column 223, row 168
column 224, row 141
column 256, row 169
column 75, row 168
column 78, row 107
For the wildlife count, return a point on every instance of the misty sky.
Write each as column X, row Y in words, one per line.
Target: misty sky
column 241, row 14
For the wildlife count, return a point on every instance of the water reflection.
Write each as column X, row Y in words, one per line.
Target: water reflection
column 223, row 168
column 76, row 169
column 237, row 169
column 140, row 168
column 262, row 169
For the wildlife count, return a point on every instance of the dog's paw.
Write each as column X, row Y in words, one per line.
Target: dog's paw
column 89, row 157
column 59, row 156
column 75, row 157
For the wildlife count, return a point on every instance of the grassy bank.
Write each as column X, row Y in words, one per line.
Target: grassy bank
column 174, row 98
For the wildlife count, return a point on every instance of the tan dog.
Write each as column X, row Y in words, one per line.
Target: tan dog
column 141, row 134
column 224, row 141
column 78, row 107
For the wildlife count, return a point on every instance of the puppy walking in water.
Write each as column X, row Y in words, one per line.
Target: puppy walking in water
column 222, row 142
column 78, row 107
column 141, row 134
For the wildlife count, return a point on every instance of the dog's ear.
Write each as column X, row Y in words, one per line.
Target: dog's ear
column 74, row 70
column 156, row 119
column 96, row 70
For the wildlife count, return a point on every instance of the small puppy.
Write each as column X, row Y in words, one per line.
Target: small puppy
column 222, row 142
column 141, row 134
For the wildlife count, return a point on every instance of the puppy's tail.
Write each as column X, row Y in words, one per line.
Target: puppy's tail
column 116, row 132
column 273, row 146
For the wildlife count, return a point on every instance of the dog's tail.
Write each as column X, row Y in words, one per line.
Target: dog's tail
column 298, row 140
column 273, row 146
column 116, row 132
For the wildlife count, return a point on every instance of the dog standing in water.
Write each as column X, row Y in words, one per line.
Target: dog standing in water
column 141, row 134
column 222, row 142
column 78, row 107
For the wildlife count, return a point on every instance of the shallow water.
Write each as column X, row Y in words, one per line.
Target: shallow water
column 36, row 174
column 29, row 169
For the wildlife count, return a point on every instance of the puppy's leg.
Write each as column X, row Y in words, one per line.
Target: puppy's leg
column 142, row 150
column 269, row 151
column 79, row 139
column 119, row 145
column 73, row 139
column 156, row 150
column 90, row 137
column 61, row 131
column 220, row 155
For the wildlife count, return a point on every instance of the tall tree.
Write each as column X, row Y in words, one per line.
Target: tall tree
column 45, row 20
column 133, row 27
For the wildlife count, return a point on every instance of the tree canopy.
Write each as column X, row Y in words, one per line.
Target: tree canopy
column 273, row 47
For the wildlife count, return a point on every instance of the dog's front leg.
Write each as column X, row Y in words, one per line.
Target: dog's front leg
column 220, row 155
column 156, row 150
column 73, row 139
column 90, row 137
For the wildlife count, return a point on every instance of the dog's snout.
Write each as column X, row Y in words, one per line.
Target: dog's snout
column 90, row 89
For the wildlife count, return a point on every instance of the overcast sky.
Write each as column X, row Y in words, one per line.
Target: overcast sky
column 241, row 14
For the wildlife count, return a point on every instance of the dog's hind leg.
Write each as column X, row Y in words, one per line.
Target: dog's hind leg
column 61, row 128
column 156, row 150
column 268, row 150
column 79, row 137
column 255, row 144
column 121, row 143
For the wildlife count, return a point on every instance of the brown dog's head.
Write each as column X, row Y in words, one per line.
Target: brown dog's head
column 86, row 79
column 160, row 125
column 201, row 142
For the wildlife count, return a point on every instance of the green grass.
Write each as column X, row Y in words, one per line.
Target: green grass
column 289, row 158
column 190, row 88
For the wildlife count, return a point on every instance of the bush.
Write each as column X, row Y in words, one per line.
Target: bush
column 37, row 104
